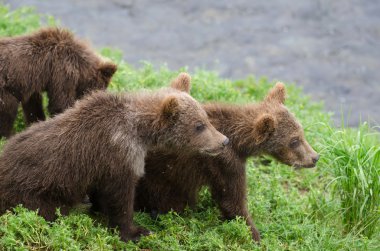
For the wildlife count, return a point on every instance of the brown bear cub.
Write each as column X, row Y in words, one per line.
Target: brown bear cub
column 98, row 148
column 50, row 60
column 173, row 180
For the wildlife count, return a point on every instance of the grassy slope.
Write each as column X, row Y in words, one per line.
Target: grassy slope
column 294, row 210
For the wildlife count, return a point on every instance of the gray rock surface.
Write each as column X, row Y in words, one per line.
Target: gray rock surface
column 331, row 48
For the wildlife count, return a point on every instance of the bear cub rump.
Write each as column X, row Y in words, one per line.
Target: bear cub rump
column 173, row 180
column 98, row 148
column 50, row 60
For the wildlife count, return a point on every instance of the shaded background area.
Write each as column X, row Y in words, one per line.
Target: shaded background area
column 331, row 48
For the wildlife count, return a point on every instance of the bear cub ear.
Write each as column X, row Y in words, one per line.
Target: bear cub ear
column 182, row 82
column 107, row 69
column 277, row 93
column 170, row 108
column 264, row 126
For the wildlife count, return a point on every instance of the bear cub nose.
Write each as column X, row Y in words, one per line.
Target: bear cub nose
column 225, row 142
column 315, row 159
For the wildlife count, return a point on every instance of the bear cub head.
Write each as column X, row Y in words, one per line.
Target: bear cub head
column 185, row 123
column 280, row 134
column 96, row 77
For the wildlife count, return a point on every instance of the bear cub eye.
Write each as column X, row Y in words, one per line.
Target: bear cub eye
column 294, row 143
column 199, row 127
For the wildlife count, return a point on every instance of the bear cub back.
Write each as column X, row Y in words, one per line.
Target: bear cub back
column 51, row 60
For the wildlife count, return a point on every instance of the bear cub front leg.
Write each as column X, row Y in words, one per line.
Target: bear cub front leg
column 33, row 109
column 8, row 113
column 116, row 199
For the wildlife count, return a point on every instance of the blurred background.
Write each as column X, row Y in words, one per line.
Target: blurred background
column 331, row 48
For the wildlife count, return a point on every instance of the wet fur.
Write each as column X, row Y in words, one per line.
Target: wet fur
column 50, row 60
column 98, row 148
column 174, row 179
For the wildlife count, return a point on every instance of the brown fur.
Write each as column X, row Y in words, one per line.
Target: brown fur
column 50, row 60
column 98, row 148
column 173, row 180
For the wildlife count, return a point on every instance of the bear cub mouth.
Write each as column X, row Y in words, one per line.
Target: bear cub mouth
column 212, row 152
column 298, row 166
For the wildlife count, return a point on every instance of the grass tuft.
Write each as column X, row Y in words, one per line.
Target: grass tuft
column 354, row 157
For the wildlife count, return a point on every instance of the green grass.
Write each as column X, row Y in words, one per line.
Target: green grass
column 332, row 207
column 21, row 21
column 354, row 156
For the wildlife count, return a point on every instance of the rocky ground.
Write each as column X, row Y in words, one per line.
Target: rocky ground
column 331, row 48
